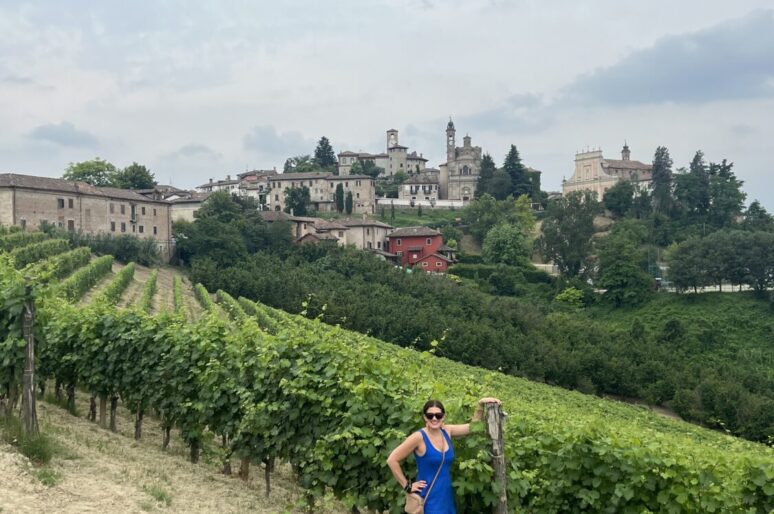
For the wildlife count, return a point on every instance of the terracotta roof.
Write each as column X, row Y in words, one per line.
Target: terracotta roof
column 414, row 231
column 348, row 153
column 442, row 257
column 71, row 187
column 626, row 165
column 349, row 177
column 422, row 178
column 444, row 248
column 321, row 224
column 194, row 198
column 325, row 236
column 365, row 223
column 302, row 176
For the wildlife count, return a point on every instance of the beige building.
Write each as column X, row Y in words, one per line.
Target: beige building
column 459, row 175
column 367, row 234
column 322, row 187
column 28, row 201
column 423, row 187
column 396, row 158
column 363, row 234
column 595, row 173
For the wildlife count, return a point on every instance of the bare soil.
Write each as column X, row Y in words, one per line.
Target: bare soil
column 134, row 290
column 99, row 471
column 94, row 291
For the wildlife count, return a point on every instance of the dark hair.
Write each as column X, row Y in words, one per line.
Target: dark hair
column 433, row 403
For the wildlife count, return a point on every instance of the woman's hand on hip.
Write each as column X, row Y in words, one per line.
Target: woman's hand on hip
column 418, row 486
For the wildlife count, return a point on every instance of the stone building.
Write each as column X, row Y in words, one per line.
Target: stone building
column 423, row 186
column 459, row 175
column 595, row 173
column 28, row 201
column 396, row 158
column 322, row 187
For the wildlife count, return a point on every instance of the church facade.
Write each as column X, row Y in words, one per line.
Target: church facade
column 459, row 174
column 595, row 173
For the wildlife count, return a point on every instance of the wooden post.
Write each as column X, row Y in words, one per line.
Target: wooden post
column 29, row 411
column 494, row 428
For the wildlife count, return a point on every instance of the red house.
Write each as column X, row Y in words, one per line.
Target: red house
column 420, row 247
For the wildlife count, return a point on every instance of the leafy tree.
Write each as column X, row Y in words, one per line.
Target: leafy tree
column 757, row 254
column 96, row 172
column 221, row 206
column 297, row 200
column 338, row 198
column 619, row 198
column 486, row 175
column 567, row 230
column 620, row 270
column 692, row 188
column 501, row 185
column 662, row 180
column 366, row 168
column 301, row 164
column 757, row 218
column 400, row 177
column 726, row 195
column 515, row 169
column 506, row 244
column 134, row 176
column 324, row 155
column 348, row 203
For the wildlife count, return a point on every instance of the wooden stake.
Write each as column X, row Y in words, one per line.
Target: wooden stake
column 494, row 428
column 29, row 411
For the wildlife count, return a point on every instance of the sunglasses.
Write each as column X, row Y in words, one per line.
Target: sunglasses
column 435, row 415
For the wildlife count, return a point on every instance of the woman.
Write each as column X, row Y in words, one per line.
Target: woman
column 432, row 449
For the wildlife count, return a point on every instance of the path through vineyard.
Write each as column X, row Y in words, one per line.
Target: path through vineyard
column 105, row 472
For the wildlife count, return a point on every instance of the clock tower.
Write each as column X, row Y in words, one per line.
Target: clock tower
column 450, row 143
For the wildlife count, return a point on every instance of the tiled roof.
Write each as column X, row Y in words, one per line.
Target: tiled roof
column 218, row 183
column 626, row 165
column 193, row 198
column 349, row 177
column 423, row 178
column 71, row 187
column 442, row 257
column 414, row 232
column 365, row 223
column 321, row 224
column 302, row 176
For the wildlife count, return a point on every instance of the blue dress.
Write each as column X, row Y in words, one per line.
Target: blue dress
column 441, row 499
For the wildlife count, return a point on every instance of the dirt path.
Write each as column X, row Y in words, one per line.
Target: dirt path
column 94, row 291
column 192, row 308
column 134, row 290
column 164, row 300
column 104, row 472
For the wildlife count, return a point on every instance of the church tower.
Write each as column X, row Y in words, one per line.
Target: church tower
column 450, row 142
column 625, row 154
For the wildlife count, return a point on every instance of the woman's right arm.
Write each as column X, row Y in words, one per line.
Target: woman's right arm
column 398, row 455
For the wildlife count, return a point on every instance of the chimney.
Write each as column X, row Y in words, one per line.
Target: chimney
column 210, row 181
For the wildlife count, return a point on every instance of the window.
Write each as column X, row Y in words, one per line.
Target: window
column 123, row 227
column 397, row 242
column 143, row 211
column 379, row 245
column 71, row 225
column 123, row 209
column 276, row 198
column 399, row 254
column 368, row 231
column 142, row 229
column 357, row 195
column 370, row 245
column 60, row 203
column 154, row 212
column 23, row 224
column 42, row 222
column 134, row 228
column 424, row 264
column 112, row 226
column 112, row 208
column 346, row 184
column 341, row 233
column 155, row 230
column 69, row 203
column 429, row 241
column 438, row 264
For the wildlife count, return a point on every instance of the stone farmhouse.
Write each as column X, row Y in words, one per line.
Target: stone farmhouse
column 362, row 233
column 595, row 173
column 29, row 201
column 396, row 158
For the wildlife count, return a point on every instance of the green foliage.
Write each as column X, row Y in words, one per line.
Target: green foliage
column 757, row 218
column 367, row 168
column 149, row 291
column 620, row 269
column 662, row 180
column 348, row 203
column 125, row 248
column 571, row 297
column 15, row 240
column 487, row 212
column 39, row 449
column 324, row 156
column 76, row 285
column 298, row 200
column 134, row 176
column 567, row 230
column 619, row 198
column 96, row 172
column 177, row 294
column 484, row 184
column 48, row 477
column 338, row 197
column 203, row 297
column 59, row 266
column 35, row 252
column 158, row 494
column 506, row 244
column 301, row 164
column 113, row 291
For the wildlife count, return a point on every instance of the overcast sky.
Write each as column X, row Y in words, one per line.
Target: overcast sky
column 200, row 89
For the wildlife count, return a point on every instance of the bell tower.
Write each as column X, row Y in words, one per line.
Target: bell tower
column 625, row 153
column 450, row 141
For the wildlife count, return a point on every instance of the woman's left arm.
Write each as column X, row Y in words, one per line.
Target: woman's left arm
column 464, row 429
